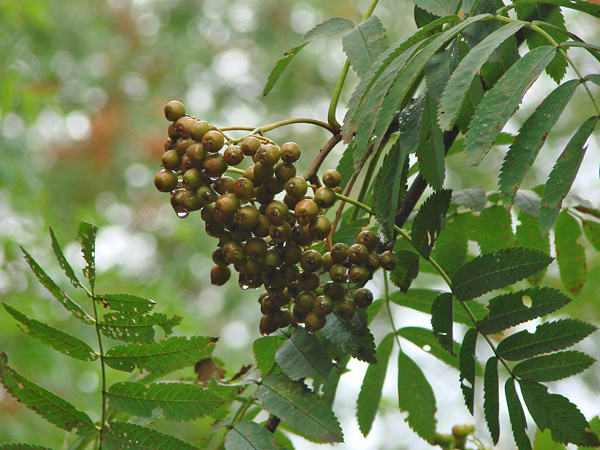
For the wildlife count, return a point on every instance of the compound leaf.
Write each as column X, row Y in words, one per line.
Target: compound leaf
column 529, row 235
column 347, row 232
column 514, row 308
column 178, row 401
column 569, row 253
column 86, row 235
column 425, row 340
column 441, row 321
column 532, row 135
column 592, row 233
column 428, row 222
column 517, row 415
column 501, row 101
column 265, row 349
column 431, row 150
column 136, row 328
column 497, row 270
column 129, row 436
column 370, row 391
column 548, row 337
column 249, row 435
column 126, row 303
column 563, row 174
column 364, row 43
column 472, row 198
column 299, row 408
column 303, row 355
column 439, row 8
column 406, row 270
column 52, row 337
column 553, row 367
column 62, row 261
column 351, row 336
column 51, row 407
column 164, row 356
column 450, row 250
column 19, row 446
column 543, row 441
column 494, row 231
column 467, row 365
column 491, row 400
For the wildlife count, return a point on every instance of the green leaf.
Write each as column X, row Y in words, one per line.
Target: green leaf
column 592, row 233
column 528, row 234
column 135, row 327
column 426, row 341
column 500, row 102
column 438, row 69
column 370, row 391
column 390, row 179
column 491, row 400
column 460, row 80
column 129, row 436
column 264, row 349
column 364, row 43
column 441, row 321
column 422, row 300
column 52, row 337
column 416, row 397
column 438, row 7
column 553, row 367
column 409, row 125
column 250, row 436
column 178, row 401
column 495, row 229
column 86, row 235
column 126, row 303
column 428, row 222
column 517, row 415
column 548, row 337
column 331, row 26
column 531, row 138
column 543, row 441
column 557, row 413
column 164, row 356
column 472, row 198
column 497, row 270
column 514, row 308
column 51, row 407
column 303, row 355
column 57, row 292
column 406, row 270
column 299, row 408
column 347, row 233
column 595, row 427
column 451, row 247
column 19, row 446
column 528, row 202
column 62, row 261
column 351, row 336
column 569, row 253
column 431, row 150
column 467, row 364
column 563, row 174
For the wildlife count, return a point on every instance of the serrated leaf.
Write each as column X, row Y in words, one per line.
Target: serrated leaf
column 19, row 446
column 441, row 321
column 51, row 407
column 126, row 303
column 514, row 308
column 570, row 254
column 406, row 270
column 416, row 397
column 299, row 408
column 431, row 151
column 426, row 341
column 467, row 364
column 364, row 43
column 531, row 138
column 331, row 26
column 370, row 391
column 136, row 328
column 178, row 401
column 557, row 413
column 553, row 367
column 250, row 436
column 347, row 233
column 595, row 427
column 422, row 300
column 543, row 441
column 517, row 416
column 460, row 80
column 438, row 7
column 497, row 270
column 387, row 185
column 438, row 69
column 351, row 336
column 52, row 337
column 495, row 229
column 592, row 233
column 472, row 198
column 62, row 261
column 491, row 400
column 303, row 355
column 501, row 101
column 129, row 436
column 528, row 201
column 86, row 235
column 563, row 174
column 548, row 337
column 451, row 247
column 528, row 234
column 57, row 292
column 167, row 355
column 265, row 349
column 428, row 221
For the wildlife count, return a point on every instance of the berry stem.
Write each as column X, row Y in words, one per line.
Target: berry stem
column 386, row 286
column 283, row 123
column 316, row 164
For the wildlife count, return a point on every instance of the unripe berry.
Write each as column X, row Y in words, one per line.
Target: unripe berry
column 320, row 228
column 171, row 160
column 197, row 129
column 214, row 165
column 306, row 211
column 165, row 181
column 219, row 275
column 196, row 153
column 339, row 252
column 324, row 197
column 284, row 171
column 250, row 145
column 323, row 305
column 233, row 155
column 363, row 297
column 296, row 187
column 314, row 322
column 243, row 189
column 276, row 212
column 174, row 110
column 311, row 261
column 358, row 254
column 192, row 179
column 389, row 260
column 368, row 238
column 290, row 152
column 358, row 274
column 213, row 141
column 268, row 155
column 267, row 325
column 346, row 309
column 331, row 178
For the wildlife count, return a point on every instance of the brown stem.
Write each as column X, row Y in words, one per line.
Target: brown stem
column 314, row 167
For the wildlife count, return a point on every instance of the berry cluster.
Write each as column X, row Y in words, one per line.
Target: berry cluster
column 267, row 240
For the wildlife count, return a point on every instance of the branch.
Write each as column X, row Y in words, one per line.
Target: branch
column 314, row 167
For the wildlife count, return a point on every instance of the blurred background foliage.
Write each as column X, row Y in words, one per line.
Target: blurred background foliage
column 82, row 89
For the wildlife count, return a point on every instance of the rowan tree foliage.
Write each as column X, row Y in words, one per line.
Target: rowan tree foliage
column 312, row 242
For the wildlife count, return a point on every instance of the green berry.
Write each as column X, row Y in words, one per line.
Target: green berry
column 389, row 260
column 311, row 261
column 213, row 141
column 358, row 254
column 214, row 165
column 363, row 297
column 219, row 275
column 171, row 160
column 277, row 212
column 324, row 197
column 346, row 309
column 174, row 110
column 233, row 155
column 250, row 145
column 198, row 128
column 268, row 155
column 296, row 187
column 314, row 322
column 284, row 171
column 339, row 252
column 320, row 228
column 331, row 178
column 358, row 274
column 290, row 152
column 306, row 211
column 368, row 238
column 166, row 181
column 192, row 179
column 323, row 305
